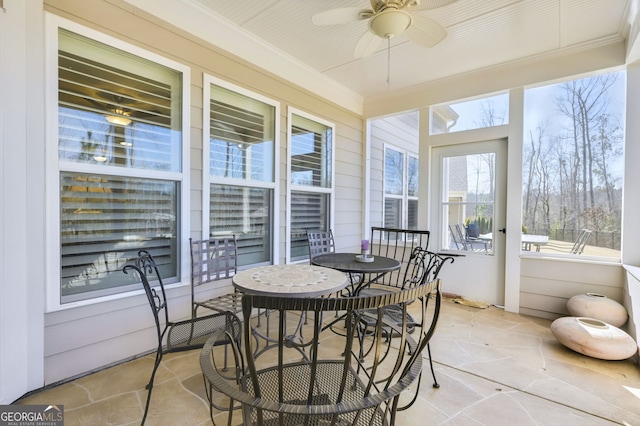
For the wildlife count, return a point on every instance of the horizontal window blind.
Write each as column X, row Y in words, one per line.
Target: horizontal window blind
column 311, row 153
column 105, row 220
column 400, row 189
column 412, row 214
column 309, row 210
column 310, row 166
column 241, row 135
column 116, row 117
column 241, row 147
column 245, row 212
column 120, row 110
column 393, row 212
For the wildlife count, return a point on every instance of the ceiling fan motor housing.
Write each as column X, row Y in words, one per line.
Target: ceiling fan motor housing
column 378, row 5
column 390, row 23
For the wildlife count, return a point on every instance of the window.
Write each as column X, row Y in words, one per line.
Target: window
column 412, row 192
column 573, row 164
column 468, row 201
column 240, row 159
column 400, row 189
column 311, row 178
column 119, row 164
column 489, row 111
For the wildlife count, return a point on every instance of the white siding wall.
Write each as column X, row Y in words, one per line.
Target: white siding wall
column 547, row 284
column 83, row 339
column 631, row 298
column 349, row 175
column 400, row 131
column 22, row 246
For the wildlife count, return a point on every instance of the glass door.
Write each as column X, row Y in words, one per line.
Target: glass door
column 469, row 210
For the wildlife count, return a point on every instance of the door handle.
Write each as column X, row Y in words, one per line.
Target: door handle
column 503, row 230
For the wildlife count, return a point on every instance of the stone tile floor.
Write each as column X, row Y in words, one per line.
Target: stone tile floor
column 494, row 368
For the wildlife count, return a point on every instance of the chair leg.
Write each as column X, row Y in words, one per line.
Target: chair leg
column 149, row 386
column 433, row 373
column 225, row 368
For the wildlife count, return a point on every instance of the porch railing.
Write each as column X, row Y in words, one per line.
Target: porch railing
column 604, row 239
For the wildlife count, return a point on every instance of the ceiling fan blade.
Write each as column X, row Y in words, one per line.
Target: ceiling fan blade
column 367, row 44
column 427, row 4
column 425, row 31
column 343, row 15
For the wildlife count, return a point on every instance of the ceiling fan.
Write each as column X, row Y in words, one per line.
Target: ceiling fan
column 387, row 19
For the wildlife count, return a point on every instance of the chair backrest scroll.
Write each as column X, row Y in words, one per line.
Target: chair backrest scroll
column 397, row 244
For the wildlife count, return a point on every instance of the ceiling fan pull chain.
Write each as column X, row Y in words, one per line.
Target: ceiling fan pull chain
column 388, row 61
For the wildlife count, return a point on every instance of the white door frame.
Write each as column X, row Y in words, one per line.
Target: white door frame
column 478, row 275
column 512, row 132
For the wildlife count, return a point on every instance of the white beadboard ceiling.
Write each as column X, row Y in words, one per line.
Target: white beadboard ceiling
column 481, row 33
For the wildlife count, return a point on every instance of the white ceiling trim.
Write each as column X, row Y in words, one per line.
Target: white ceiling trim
column 190, row 16
column 633, row 45
column 544, row 68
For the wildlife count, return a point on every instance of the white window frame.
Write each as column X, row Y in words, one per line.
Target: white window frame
column 305, row 188
column 208, row 80
column 444, row 117
column 405, row 197
column 564, row 251
column 53, row 166
column 411, row 155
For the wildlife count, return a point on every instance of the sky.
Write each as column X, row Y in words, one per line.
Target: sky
column 539, row 106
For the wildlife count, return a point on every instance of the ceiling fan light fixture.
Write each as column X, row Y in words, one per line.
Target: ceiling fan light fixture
column 119, row 118
column 390, row 23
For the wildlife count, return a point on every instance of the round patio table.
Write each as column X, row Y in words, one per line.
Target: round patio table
column 346, row 262
column 297, row 280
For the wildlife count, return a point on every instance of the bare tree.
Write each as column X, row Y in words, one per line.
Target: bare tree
column 583, row 101
column 568, row 180
column 540, row 183
column 490, row 116
column 608, row 145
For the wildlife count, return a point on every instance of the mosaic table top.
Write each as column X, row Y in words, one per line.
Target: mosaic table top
column 298, row 280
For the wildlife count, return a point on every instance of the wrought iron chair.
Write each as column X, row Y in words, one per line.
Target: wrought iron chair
column 397, row 244
column 336, row 382
column 212, row 260
column 180, row 335
column 320, row 242
column 422, row 267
